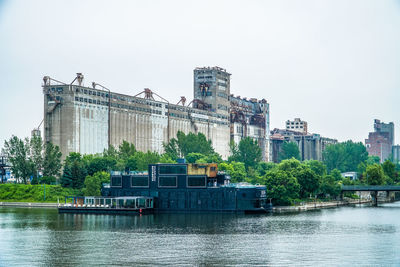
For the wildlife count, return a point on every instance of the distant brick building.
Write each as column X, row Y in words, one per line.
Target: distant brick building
column 381, row 140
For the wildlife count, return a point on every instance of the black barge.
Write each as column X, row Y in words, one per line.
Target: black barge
column 177, row 188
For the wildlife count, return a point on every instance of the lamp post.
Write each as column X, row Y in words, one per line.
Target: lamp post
column 44, row 192
column 109, row 110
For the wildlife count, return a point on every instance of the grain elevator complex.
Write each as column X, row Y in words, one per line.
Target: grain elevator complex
column 88, row 120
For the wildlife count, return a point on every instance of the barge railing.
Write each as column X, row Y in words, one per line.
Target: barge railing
column 117, row 203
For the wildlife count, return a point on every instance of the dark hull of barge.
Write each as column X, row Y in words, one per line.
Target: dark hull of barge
column 78, row 210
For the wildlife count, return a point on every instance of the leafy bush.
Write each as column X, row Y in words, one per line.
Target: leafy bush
column 35, row 193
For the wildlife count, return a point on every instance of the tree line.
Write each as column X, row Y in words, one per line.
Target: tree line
column 32, row 158
column 287, row 182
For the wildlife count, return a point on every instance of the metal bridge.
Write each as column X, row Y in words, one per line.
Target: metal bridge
column 371, row 188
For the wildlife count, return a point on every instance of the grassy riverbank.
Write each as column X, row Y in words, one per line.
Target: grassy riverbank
column 34, row 193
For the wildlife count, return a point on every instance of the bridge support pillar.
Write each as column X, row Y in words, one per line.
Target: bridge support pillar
column 375, row 196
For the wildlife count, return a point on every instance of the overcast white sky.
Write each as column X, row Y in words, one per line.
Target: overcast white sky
column 335, row 64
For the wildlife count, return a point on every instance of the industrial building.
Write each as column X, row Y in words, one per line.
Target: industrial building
column 88, row 120
column 396, row 153
column 381, row 140
column 311, row 146
column 297, row 125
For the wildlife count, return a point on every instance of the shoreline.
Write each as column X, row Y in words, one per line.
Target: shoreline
column 28, row 204
column 318, row 205
column 277, row 209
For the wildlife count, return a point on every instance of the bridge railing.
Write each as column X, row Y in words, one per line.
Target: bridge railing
column 370, row 188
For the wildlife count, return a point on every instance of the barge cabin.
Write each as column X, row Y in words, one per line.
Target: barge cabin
column 188, row 188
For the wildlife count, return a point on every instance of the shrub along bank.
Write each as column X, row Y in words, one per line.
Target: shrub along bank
column 35, row 193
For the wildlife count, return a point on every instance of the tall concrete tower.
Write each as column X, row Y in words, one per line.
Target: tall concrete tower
column 212, row 89
column 385, row 128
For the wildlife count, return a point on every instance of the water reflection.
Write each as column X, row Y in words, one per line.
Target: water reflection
column 344, row 236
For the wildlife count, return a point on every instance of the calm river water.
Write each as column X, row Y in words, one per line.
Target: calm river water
column 347, row 236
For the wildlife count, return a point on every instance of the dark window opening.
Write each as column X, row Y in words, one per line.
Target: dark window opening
column 172, row 169
column 167, row 181
column 140, row 181
column 116, row 181
column 196, row 181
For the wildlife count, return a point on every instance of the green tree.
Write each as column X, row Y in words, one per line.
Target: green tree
column 253, row 176
column 200, row 158
column 36, row 153
column 47, row 180
column 144, row 159
column 282, row 187
column 185, row 144
column 52, row 160
column 375, row 175
column 131, row 163
column 126, row 150
column 317, row 166
column 334, row 157
column 308, row 180
column 92, row 186
column 236, row 170
column 66, row 178
column 373, row 159
column 289, row 165
column 345, row 156
column 164, row 158
column 17, row 151
column 110, row 152
column 213, row 158
column 289, row 150
column 329, row 186
column 75, row 171
column 93, row 183
column 99, row 163
column 263, row 167
column 193, row 157
column 389, row 168
column 336, row 174
column 247, row 152
column 172, row 149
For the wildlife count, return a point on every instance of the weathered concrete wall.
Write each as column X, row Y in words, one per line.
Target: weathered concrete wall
column 79, row 123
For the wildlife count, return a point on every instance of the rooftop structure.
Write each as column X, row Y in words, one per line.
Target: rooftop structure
column 297, row 125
